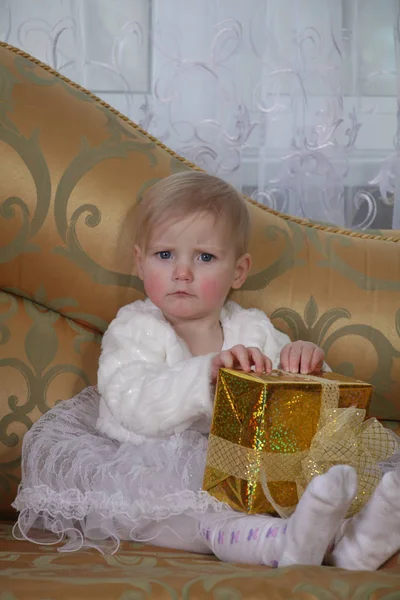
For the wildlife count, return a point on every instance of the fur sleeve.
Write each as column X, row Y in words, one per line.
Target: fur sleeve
column 143, row 393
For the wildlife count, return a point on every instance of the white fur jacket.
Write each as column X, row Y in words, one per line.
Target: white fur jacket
column 150, row 385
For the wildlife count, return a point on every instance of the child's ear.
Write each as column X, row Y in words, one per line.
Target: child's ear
column 138, row 260
column 242, row 269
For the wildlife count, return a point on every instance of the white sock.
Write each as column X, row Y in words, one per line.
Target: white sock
column 321, row 510
column 301, row 539
column 372, row 536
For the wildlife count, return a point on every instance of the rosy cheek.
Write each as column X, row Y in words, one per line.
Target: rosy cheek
column 154, row 286
column 211, row 289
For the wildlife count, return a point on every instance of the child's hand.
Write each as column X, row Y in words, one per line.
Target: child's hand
column 242, row 358
column 302, row 357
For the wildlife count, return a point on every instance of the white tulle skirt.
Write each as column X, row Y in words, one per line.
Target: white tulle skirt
column 89, row 490
column 92, row 491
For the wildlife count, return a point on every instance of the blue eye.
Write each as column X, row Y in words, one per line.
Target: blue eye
column 164, row 254
column 206, row 257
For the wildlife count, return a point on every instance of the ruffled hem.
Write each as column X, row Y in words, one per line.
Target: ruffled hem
column 76, row 505
column 100, row 521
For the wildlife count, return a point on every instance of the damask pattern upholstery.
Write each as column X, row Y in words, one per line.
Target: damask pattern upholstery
column 140, row 572
column 72, row 169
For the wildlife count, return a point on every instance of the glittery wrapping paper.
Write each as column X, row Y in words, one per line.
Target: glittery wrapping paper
column 272, row 420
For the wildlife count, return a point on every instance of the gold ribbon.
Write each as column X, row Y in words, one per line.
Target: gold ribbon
column 343, row 437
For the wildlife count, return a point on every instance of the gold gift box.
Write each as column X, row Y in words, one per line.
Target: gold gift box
column 264, row 426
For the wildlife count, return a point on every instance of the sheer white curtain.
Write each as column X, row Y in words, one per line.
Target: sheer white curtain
column 296, row 102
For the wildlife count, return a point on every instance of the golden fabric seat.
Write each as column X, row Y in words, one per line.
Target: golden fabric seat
column 72, row 168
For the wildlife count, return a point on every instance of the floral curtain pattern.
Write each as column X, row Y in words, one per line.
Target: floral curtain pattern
column 296, row 102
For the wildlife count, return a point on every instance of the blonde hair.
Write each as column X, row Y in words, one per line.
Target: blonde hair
column 188, row 193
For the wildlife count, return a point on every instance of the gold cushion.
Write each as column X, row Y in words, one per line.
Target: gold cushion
column 44, row 358
column 72, row 168
column 136, row 572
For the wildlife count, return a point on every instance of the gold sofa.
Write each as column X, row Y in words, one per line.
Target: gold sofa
column 71, row 168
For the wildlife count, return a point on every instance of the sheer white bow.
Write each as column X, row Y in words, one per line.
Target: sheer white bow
column 296, row 102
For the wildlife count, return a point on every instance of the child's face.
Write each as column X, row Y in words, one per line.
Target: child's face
column 189, row 267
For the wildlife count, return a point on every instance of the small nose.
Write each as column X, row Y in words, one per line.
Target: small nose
column 183, row 272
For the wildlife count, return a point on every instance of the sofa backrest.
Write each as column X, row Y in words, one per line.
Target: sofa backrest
column 72, row 168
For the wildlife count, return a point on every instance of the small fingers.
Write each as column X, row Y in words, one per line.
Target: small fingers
column 317, row 360
column 307, row 352
column 257, row 359
column 294, row 357
column 245, row 358
column 241, row 355
column 267, row 365
column 227, row 359
column 284, row 358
